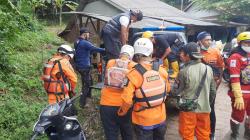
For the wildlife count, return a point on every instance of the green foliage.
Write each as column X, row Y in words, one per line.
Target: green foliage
column 60, row 3
column 23, row 44
column 21, row 94
column 17, row 117
column 177, row 3
column 228, row 8
column 12, row 24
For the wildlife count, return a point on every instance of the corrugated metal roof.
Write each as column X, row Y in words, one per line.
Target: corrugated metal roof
column 93, row 15
column 154, row 9
column 147, row 22
column 159, row 9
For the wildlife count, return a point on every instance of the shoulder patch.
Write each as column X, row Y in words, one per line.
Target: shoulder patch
column 233, row 63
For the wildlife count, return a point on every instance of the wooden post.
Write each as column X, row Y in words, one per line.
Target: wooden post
column 80, row 20
column 87, row 22
column 92, row 23
column 98, row 24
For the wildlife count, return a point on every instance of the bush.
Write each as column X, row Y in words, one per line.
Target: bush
column 21, row 94
column 18, row 117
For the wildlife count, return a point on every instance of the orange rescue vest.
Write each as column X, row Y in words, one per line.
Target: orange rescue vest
column 54, row 84
column 115, row 76
column 152, row 92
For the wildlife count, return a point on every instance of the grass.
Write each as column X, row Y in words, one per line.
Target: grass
column 22, row 96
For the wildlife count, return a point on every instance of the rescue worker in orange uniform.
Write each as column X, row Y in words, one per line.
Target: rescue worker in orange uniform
column 145, row 92
column 115, row 78
column 195, row 122
column 213, row 58
column 58, row 75
column 239, row 69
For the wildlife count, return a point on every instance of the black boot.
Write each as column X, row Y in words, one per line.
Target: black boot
column 247, row 128
column 235, row 130
column 82, row 100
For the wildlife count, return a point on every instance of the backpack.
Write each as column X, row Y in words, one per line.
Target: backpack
column 115, row 77
column 54, row 84
column 152, row 92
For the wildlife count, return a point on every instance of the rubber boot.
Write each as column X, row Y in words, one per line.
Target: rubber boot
column 247, row 128
column 235, row 130
column 166, row 64
column 175, row 68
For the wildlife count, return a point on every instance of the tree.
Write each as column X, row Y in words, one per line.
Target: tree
column 228, row 8
column 60, row 3
column 180, row 4
column 36, row 4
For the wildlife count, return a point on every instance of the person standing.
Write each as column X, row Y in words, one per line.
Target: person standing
column 111, row 100
column 115, row 32
column 239, row 70
column 196, row 88
column 59, row 78
column 213, row 58
column 83, row 50
column 146, row 92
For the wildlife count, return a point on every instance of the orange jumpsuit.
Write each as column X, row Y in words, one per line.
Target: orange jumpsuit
column 148, row 117
column 69, row 74
column 198, row 124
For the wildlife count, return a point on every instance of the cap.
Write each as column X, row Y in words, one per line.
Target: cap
column 193, row 49
column 84, row 30
column 202, row 35
column 138, row 14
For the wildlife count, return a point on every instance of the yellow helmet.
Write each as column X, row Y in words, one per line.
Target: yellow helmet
column 243, row 36
column 147, row 34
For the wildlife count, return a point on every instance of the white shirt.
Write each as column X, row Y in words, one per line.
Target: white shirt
column 124, row 21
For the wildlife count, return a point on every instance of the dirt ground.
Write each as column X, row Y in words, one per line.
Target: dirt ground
column 94, row 129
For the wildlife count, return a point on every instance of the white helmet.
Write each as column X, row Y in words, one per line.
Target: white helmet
column 66, row 49
column 143, row 46
column 128, row 49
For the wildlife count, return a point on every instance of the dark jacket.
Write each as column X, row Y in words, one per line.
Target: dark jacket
column 83, row 49
column 113, row 27
column 162, row 42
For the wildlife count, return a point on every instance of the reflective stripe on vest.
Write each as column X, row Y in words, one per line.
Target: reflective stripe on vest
column 245, row 91
column 152, row 92
column 234, row 76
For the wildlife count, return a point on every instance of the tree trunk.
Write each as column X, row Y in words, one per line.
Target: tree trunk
column 60, row 16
